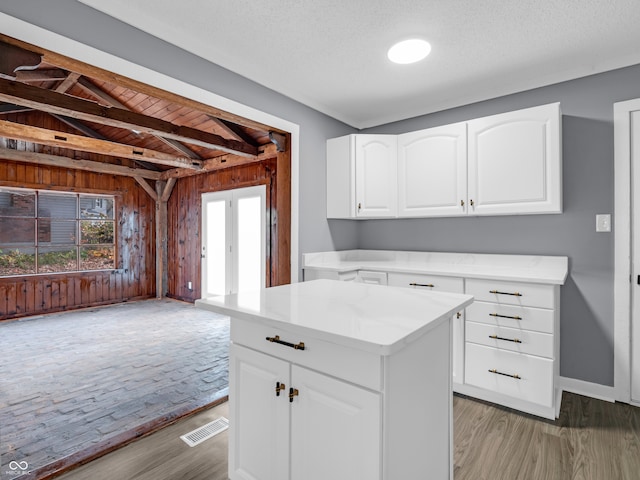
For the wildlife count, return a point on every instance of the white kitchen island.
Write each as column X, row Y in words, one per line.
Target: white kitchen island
column 335, row 380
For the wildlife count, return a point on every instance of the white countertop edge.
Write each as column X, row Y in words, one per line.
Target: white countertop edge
column 367, row 346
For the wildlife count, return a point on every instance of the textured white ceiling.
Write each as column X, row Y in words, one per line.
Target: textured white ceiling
column 331, row 54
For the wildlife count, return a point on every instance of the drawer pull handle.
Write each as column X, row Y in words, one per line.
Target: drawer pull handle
column 295, row 346
column 517, row 377
column 514, row 317
column 279, row 388
column 293, row 392
column 430, row 285
column 497, row 292
column 514, row 340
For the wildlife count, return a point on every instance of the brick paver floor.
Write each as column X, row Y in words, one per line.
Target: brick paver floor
column 71, row 380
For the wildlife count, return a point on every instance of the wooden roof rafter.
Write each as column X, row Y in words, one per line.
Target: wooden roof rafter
column 54, row 102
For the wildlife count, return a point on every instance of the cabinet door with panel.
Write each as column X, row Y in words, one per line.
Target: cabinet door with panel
column 287, row 421
column 259, row 433
column 432, row 172
column 362, row 176
column 335, row 429
column 376, row 175
column 515, row 162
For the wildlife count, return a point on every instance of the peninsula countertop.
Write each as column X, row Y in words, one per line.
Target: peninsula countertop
column 373, row 318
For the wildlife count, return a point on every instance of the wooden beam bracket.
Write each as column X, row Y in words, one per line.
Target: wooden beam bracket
column 279, row 140
column 13, row 58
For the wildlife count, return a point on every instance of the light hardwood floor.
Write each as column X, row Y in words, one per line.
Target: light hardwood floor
column 592, row 440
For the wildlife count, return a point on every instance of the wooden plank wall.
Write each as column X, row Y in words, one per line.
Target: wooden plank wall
column 134, row 277
column 184, row 220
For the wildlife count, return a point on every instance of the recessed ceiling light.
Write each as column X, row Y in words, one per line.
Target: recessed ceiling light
column 409, row 51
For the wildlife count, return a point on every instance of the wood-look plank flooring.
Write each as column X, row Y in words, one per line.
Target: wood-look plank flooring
column 592, row 440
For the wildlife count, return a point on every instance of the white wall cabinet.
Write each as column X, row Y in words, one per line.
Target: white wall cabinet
column 505, row 164
column 514, row 162
column 362, row 176
column 432, row 172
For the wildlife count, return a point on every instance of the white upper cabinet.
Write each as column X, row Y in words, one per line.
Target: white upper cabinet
column 514, row 162
column 362, row 179
column 432, row 172
column 509, row 163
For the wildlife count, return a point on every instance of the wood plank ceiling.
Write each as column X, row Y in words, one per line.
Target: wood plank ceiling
column 131, row 129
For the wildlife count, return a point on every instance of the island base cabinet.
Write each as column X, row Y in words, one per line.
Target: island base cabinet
column 289, row 422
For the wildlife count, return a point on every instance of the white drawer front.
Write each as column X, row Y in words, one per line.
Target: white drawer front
column 513, row 316
column 431, row 282
column 511, row 293
column 515, row 340
column 356, row 366
column 535, row 382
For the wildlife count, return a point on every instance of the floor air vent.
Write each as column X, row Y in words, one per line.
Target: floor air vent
column 205, row 432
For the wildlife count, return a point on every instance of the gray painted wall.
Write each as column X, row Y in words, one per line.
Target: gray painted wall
column 587, row 105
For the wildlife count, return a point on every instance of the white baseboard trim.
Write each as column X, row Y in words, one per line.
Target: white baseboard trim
column 588, row 389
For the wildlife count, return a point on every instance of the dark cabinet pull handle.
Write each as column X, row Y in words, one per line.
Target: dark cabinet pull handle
column 517, row 377
column 293, row 392
column 514, row 317
column 514, row 340
column 515, row 294
column 279, row 388
column 430, row 285
column 295, row 346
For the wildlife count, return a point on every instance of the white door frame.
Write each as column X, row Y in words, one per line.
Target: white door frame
column 623, row 241
column 38, row 36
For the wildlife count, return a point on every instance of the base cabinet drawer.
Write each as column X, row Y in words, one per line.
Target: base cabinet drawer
column 512, row 339
column 514, row 374
column 512, row 316
column 511, row 293
column 357, row 366
column 431, row 282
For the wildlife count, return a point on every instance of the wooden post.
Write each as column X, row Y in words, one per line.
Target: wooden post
column 161, row 241
column 282, row 245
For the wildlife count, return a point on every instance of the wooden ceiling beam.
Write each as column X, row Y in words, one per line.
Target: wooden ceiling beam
column 68, row 82
column 54, row 138
column 99, row 94
column 11, row 108
column 66, row 162
column 53, row 102
column 41, row 75
column 233, row 129
column 91, row 133
column 223, row 161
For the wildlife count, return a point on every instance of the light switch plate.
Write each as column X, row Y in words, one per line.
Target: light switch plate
column 603, row 223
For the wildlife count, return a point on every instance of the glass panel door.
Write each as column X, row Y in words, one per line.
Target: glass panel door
column 233, row 241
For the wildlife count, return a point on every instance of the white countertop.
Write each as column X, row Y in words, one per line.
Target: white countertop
column 522, row 268
column 373, row 318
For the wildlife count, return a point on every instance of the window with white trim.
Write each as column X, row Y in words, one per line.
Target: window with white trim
column 51, row 232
